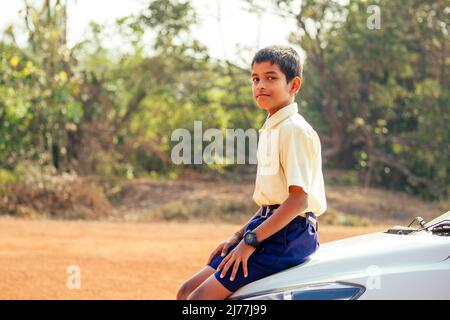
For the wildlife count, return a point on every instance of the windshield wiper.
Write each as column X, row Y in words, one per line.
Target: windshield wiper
column 400, row 230
column 421, row 221
column 442, row 228
column 439, row 227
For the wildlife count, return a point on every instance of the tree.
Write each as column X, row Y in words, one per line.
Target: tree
column 379, row 95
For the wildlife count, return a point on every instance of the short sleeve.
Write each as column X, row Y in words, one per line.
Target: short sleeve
column 297, row 157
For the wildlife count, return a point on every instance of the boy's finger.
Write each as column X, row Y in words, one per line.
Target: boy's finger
column 224, row 250
column 226, row 267
column 235, row 269
column 211, row 257
column 213, row 254
column 223, row 262
column 244, row 267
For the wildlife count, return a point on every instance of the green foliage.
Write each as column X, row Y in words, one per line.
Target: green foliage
column 95, row 111
column 7, row 177
column 378, row 98
column 349, row 178
column 379, row 92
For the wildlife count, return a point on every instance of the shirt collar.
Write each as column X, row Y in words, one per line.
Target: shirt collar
column 280, row 115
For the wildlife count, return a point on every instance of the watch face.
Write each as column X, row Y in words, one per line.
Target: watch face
column 250, row 238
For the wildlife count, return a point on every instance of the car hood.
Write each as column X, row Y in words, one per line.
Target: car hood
column 358, row 257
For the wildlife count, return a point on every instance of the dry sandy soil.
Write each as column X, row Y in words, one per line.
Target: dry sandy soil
column 116, row 260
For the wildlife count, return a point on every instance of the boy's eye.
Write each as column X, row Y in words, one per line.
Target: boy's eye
column 255, row 80
column 271, row 78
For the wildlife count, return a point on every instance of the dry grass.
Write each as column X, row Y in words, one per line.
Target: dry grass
column 117, row 260
column 193, row 198
column 43, row 192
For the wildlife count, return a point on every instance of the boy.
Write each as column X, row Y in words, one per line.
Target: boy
column 289, row 188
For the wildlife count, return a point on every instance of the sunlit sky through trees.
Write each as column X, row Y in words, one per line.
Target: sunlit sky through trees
column 223, row 26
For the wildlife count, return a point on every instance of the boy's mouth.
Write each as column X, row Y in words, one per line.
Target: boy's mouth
column 262, row 95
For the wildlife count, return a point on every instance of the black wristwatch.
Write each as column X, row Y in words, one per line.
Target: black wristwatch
column 250, row 239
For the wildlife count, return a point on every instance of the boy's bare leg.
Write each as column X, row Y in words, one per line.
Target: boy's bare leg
column 190, row 285
column 210, row 289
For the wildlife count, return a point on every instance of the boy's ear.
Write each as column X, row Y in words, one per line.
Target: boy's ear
column 296, row 84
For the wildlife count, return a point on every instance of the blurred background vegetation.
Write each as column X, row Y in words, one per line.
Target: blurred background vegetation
column 77, row 121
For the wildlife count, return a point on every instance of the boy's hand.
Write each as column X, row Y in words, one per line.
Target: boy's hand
column 223, row 247
column 240, row 254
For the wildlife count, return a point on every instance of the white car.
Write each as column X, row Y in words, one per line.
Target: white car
column 401, row 263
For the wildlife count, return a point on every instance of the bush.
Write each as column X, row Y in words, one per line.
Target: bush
column 7, row 178
column 42, row 192
column 206, row 209
column 339, row 218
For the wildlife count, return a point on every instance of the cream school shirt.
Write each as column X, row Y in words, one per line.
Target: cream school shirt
column 289, row 153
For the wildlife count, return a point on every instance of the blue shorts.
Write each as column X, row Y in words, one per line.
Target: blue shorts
column 288, row 247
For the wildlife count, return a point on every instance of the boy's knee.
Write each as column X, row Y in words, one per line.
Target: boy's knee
column 195, row 295
column 184, row 291
column 199, row 293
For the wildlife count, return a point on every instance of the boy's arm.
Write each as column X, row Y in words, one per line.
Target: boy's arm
column 240, row 232
column 236, row 237
column 289, row 209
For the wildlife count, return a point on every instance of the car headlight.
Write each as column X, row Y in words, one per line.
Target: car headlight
column 322, row 291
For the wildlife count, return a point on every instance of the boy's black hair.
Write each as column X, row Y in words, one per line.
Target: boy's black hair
column 285, row 57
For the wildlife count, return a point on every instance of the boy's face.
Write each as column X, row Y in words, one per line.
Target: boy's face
column 270, row 89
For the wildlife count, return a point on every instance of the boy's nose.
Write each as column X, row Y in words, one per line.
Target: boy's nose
column 260, row 85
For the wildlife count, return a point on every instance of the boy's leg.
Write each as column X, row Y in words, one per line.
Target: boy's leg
column 210, row 289
column 190, row 285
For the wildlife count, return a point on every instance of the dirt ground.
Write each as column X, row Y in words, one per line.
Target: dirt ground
column 116, row 260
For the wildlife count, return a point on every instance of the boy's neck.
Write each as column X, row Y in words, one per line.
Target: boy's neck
column 276, row 109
